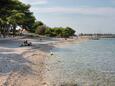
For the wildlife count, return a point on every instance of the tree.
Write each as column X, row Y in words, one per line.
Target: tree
column 41, row 29
column 70, row 31
column 60, row 32
column 13, row 13
column 50, row 32
column 36, row 25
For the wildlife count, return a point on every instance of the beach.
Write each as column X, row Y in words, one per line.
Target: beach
column 55, row 62
column 22, row 66
column 61, row 42
column 25, row 66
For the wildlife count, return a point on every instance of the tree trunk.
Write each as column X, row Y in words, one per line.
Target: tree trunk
column 14, row 30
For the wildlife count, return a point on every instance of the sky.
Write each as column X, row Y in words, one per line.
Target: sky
column 86, row 16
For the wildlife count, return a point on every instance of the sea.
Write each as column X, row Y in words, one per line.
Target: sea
column 89, row 63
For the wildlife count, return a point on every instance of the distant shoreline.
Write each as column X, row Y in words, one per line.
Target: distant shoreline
column 62, row 42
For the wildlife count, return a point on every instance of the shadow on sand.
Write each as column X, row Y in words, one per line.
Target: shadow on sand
column 14, row 63
column 10, row 43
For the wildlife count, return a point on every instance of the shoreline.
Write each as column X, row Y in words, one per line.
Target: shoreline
column 62, row 42
column 33, row 66
column 27, row 65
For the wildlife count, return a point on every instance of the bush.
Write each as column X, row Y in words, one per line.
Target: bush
column 41, row 30
column 60, row 32
column 36, row 25
column 50, row 32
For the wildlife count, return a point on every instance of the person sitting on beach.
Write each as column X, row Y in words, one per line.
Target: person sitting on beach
column 29, row 44
column 26, row 43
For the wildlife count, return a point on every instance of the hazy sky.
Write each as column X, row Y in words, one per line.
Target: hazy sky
column 83, row 15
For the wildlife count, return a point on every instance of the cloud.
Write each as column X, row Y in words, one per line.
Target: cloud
column 83, row 10
column 35, row 2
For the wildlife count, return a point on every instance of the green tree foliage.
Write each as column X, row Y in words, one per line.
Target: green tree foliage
column 36, row 25
column 41, row 29
column 68, row 32
column 13, row 13
column 60, row 32
column 50, row 32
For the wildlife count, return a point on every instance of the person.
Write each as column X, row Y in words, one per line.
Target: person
column 26, row 43
column 29, row 44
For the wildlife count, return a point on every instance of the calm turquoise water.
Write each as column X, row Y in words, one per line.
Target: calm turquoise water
column 90, row 63
column 94, row 54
